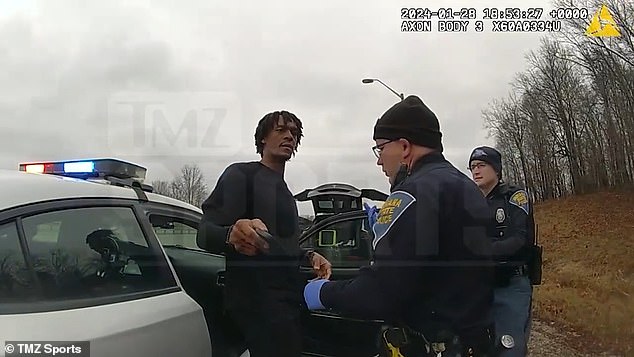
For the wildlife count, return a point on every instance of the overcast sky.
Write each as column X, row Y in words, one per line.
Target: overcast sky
column 121, row 78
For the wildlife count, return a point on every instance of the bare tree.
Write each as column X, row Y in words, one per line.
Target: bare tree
column 162, row 187
column 568, row 124
column 190, row 185
column 608, row 63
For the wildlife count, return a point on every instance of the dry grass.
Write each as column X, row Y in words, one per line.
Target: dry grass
column 588, row 283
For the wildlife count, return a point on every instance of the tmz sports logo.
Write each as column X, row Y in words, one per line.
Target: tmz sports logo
column 175, row 124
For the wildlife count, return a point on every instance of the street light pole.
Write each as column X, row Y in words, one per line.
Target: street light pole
column 371, row 80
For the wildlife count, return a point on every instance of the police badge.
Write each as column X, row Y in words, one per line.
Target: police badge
column 499, row 215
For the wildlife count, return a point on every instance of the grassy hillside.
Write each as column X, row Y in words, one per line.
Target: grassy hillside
column 588, row 278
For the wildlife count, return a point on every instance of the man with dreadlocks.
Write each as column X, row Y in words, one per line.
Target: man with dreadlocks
column 263, row 285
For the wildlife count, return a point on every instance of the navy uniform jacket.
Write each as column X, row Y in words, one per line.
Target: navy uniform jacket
column 510, row 224
column 432, row 265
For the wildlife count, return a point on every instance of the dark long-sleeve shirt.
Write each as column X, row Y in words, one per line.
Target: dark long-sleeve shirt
column 266, row 281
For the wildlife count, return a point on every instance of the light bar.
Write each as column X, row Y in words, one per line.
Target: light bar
column 79, row 167
column 87, row 168
column 35, row 168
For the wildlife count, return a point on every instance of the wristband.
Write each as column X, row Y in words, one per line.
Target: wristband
column 229, row 235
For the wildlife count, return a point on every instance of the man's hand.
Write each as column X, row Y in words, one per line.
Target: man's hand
column 245, row 240
column 321, row 266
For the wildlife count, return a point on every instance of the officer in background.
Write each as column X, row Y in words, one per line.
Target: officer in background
column 431, row 278
column 512, row 231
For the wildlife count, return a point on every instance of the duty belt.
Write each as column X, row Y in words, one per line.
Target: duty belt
column 405, row 342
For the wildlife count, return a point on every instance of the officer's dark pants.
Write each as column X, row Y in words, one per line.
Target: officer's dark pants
column 512, row 312
column 270, row 334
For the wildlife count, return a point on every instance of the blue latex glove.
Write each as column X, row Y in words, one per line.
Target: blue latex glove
column 311, row 294
column 372, row 212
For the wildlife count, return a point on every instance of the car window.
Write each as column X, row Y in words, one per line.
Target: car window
column 16, row 283
column 344, row 244
column 175, row 231
column 93, row 252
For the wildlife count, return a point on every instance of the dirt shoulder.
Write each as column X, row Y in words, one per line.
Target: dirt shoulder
column 588, row 273
column 548, row 340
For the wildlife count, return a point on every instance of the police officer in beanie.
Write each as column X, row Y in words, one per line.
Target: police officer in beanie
column 432, row 274
column 511, row 229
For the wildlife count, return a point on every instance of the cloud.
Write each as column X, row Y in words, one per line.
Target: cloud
column 64, row 62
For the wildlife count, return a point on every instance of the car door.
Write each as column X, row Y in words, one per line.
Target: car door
column 346, row 241
column 200, row 272
column 91, row 270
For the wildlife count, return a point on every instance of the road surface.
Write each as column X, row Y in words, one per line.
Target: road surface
column 547, row 341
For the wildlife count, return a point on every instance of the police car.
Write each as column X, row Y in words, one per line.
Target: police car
column 89, row 253
column 80, row 261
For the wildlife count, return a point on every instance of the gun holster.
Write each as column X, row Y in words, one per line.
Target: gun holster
column 403, row 342
column 399, row 342
column 535, row 264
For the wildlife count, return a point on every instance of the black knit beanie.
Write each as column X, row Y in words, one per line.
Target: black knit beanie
column 489, row 155
column 410, row 119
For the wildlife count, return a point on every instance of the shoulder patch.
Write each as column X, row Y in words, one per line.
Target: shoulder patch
column 390, row 212
column 520, row 199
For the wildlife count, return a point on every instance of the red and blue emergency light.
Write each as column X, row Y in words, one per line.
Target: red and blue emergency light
column 87, row 168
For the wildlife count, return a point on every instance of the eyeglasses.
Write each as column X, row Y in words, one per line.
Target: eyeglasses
column 379, row 148
column 479, row 165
